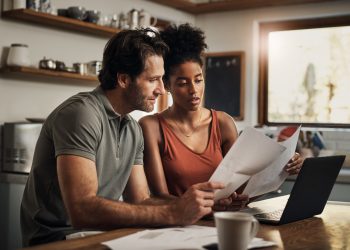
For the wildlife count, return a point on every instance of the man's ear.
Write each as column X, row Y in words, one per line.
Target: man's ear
column 123, row 80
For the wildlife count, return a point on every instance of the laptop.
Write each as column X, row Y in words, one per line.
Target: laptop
column 310, row 192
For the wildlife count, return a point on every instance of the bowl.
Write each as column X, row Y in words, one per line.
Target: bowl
column 92, row 16
column 76, row 12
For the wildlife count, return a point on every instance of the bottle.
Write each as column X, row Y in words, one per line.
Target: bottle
column 18, row 55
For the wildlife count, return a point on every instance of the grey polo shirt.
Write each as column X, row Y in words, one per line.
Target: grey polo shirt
column 84, row 125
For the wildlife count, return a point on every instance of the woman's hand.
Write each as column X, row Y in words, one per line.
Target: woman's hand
column 294, row 165
column 234, row 202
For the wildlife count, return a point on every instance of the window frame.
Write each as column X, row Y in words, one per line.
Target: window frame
column 264, row 29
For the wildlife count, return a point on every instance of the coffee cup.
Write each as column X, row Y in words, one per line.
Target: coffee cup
column 235, row 229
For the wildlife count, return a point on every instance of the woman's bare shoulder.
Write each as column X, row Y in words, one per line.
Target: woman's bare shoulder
column 224, row 118
column 149, row 120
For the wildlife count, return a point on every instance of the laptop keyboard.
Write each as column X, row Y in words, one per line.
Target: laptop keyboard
column 274, row 215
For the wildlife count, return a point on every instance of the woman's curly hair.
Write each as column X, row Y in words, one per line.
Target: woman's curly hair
column 186, row 43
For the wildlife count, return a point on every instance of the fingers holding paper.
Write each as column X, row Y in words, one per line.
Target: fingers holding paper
column 234, row 202
column 196, row 202
column 294, row 165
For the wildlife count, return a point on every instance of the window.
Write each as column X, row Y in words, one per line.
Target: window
column 304, row 72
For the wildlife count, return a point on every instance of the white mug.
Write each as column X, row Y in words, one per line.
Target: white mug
column 235, row 229
column 145, row 19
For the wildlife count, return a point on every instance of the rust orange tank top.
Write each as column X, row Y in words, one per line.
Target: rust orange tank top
column 182, row 166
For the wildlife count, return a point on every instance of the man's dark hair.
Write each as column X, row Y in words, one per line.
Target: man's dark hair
column 126, row 53
column 186, row 43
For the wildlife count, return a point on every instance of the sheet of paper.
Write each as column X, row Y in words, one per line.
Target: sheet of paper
column 251, row 153
column 190, row 237
column 272, row 177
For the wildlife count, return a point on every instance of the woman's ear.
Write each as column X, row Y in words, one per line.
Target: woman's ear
column 123, row 80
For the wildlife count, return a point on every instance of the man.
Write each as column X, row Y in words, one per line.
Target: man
column 90, row 153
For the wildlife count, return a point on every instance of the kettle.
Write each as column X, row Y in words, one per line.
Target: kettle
column 18, row 55
column 133, row 19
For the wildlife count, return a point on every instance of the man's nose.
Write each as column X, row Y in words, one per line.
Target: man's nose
column 160, row 88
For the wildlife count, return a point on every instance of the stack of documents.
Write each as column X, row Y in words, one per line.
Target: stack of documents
column 190, row 237
column 256, row 159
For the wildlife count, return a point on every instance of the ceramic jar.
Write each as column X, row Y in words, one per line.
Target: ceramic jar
column 18, row 55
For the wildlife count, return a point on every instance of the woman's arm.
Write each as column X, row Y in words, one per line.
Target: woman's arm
column 152, row 159
column 228, row 131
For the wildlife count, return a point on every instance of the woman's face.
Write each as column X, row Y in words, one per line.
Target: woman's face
column 186, row 85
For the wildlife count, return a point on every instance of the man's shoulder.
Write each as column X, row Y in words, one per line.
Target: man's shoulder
column 82, row 107
column 79, row 104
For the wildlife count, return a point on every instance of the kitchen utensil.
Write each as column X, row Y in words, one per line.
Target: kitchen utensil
column 133, row 18
column 47, row 64
column 18, row 55
column 94, row 67
column 60, row 66
column 33, row 4
column 114, row 21
column 123, row 21
column 45, row 6
column 70, row 69
column 146, row 20
column 80, row 68
column 77, row 12
column 92, row 16
column 62, row 12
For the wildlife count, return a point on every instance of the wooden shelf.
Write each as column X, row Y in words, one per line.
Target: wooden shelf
column 59, row 22
column 229, row 5
column 67, row 23
column 49, row 73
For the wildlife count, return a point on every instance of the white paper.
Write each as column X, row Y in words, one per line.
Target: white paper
column 190, row 237
column 272, row 177
column 251, row 153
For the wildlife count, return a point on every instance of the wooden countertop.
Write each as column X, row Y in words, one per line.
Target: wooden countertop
column 330, row 230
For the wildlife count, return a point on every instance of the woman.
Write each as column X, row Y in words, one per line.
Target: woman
column 185, row 143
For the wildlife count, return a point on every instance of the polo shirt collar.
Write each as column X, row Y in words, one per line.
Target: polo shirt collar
column 107, row 105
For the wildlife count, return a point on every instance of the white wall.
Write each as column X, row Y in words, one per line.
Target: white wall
column 29, row 97
column 225, row 31
column 238, row 31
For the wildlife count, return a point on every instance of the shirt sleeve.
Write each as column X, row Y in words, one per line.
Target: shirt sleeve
column 76, row 130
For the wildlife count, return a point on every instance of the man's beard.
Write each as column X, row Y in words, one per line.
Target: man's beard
column 138, row 101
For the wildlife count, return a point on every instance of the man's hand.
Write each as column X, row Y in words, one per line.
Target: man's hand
column 195, row 203
column 234, row 202
column 294, row 165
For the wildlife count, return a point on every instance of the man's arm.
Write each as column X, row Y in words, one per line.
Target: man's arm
column 78, row 184
column 137, row 190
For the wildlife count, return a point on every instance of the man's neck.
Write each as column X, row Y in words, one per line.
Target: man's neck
column 118, row 102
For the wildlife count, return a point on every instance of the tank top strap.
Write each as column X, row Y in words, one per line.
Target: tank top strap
column 165, row 130
column 215, row 127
